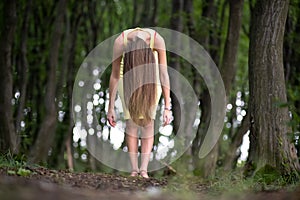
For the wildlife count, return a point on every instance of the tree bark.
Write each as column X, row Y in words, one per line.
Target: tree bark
column 23, row 70
column 269, row 144
column 228, row 72
column 7, row 128
column 228, row 67
column 75, row 21
column 47, row 130
column 176, row 24
column 214, row 36
column 34, row 94
column 236, row 141
column 206, row 166
column 60, row 139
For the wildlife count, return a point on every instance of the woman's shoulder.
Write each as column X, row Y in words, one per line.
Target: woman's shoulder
column 159, row 42
column 118, row 43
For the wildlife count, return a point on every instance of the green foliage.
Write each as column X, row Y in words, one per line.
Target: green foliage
column 267, row 175
column 11, row 172
column 12, row 161
column 15, row 165
column 229, row 184
column 232, row 183
column 23, row 172
column 266, row 179
column 20, row 172
column 182, row 187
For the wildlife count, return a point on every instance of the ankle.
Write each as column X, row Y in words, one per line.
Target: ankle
column 136, row 170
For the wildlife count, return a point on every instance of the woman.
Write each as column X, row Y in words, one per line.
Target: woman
column 139, row 62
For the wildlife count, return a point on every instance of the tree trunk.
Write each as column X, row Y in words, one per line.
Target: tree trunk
column 153, row 21
column 145, row 17
column 228, row 67
column 206, row 166
column 75, row 21
column 269, row 144
column 92, row 12
column 228, row 72
column 62, row 129
column 215, row 27
column 135, row 8
column 33, row 93
column 23, row 70
column 7, row 128
column 47, row 130
column 176, row 24
column 292, row 70
column 236, row 141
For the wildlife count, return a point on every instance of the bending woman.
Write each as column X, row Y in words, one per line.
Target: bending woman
column 139, row 64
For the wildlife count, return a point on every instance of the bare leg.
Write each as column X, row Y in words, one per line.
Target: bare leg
column 147, row 145
column 132, row 144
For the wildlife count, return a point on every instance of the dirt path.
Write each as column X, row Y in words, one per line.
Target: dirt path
column 46, row 184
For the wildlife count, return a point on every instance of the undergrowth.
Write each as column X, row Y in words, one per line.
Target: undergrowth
column 14, row 165
column 234, row 183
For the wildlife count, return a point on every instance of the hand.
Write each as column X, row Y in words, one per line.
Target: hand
column 111, row 117
column 166, row 117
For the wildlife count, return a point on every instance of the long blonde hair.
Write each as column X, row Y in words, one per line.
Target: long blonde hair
column 140, row 84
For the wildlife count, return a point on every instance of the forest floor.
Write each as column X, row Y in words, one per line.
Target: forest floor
column 46, row 184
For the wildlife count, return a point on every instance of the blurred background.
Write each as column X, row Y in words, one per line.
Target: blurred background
column 43, row 44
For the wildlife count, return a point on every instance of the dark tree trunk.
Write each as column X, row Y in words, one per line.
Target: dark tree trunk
column 22, row 70
column 134, row 17
column 145, row 18
column 92, row 12
column 176, row 24
column 59, row 145
column 292, row 70
column 75, row 21
column 228, row 72
column 39, row 24
column 153, row 20
column 48, row 126
column 7, row 128
column 228, row 67
column 269, row 144
column 210, row 11
column 236, row 141
column 206, row 166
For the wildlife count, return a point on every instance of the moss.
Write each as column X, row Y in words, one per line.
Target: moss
column 267, row 174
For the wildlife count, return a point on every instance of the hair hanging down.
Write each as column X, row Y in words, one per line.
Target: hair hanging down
column 140, row 81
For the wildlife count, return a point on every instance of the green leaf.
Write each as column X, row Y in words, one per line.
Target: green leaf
column 23, row 172
column 11, row 172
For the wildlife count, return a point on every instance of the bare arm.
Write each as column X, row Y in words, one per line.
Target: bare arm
column 114, row 78
column 160, row 47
